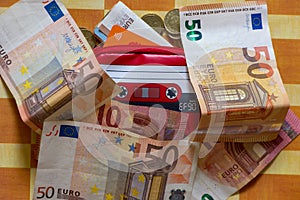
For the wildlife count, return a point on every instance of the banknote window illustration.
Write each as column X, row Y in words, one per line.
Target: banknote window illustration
column 148, row 179
column 144, row 183
column 51, row 96
column 236, row 94
column 250, row 96
column 249, row 155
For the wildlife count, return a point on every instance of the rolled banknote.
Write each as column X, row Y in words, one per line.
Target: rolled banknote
column 88, row 161
column 232, row 67
column 121, row 15
column 46, row 63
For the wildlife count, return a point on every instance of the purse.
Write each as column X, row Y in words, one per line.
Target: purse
column 151, row 78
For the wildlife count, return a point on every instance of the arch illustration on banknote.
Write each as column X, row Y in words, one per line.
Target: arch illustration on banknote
column 58, row 91
column 246, row 89
column 49, row 66
column 41, row 104
column 234, row 162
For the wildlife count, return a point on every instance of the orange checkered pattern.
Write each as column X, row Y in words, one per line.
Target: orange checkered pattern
column 281, row 180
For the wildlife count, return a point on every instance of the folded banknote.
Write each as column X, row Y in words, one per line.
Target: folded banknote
column 229, row 166
column 48, row 65
column 233, row 70
column 87, row 161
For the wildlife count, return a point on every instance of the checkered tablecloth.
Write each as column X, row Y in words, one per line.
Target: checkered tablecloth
column 281, row 180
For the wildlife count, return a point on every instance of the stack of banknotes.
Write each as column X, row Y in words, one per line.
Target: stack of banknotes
column 96, row 146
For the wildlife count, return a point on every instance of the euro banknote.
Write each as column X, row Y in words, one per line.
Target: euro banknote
column 89, row 161
column 80, row 160
column 155, row 122
column 232, row 67
column 48, row 65
column 229, row 166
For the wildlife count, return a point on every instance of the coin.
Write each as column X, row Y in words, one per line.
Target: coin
column 89, row 36
column 155, row 21
column 172, row 23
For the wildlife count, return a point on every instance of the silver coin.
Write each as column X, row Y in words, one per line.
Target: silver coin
column 172, row 23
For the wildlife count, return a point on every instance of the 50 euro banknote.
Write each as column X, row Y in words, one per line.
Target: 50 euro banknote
column 89, row 161
column 48, row 65
column 233, row 70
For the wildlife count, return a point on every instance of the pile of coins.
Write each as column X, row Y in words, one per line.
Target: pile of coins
column 169, row 28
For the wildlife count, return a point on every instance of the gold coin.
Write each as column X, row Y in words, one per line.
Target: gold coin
column 155, row 21
column 89, row 36
column 172, row 23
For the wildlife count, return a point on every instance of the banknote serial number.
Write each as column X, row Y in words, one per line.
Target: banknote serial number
column 76, row 35
column 49, row 192
column 218, row 11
